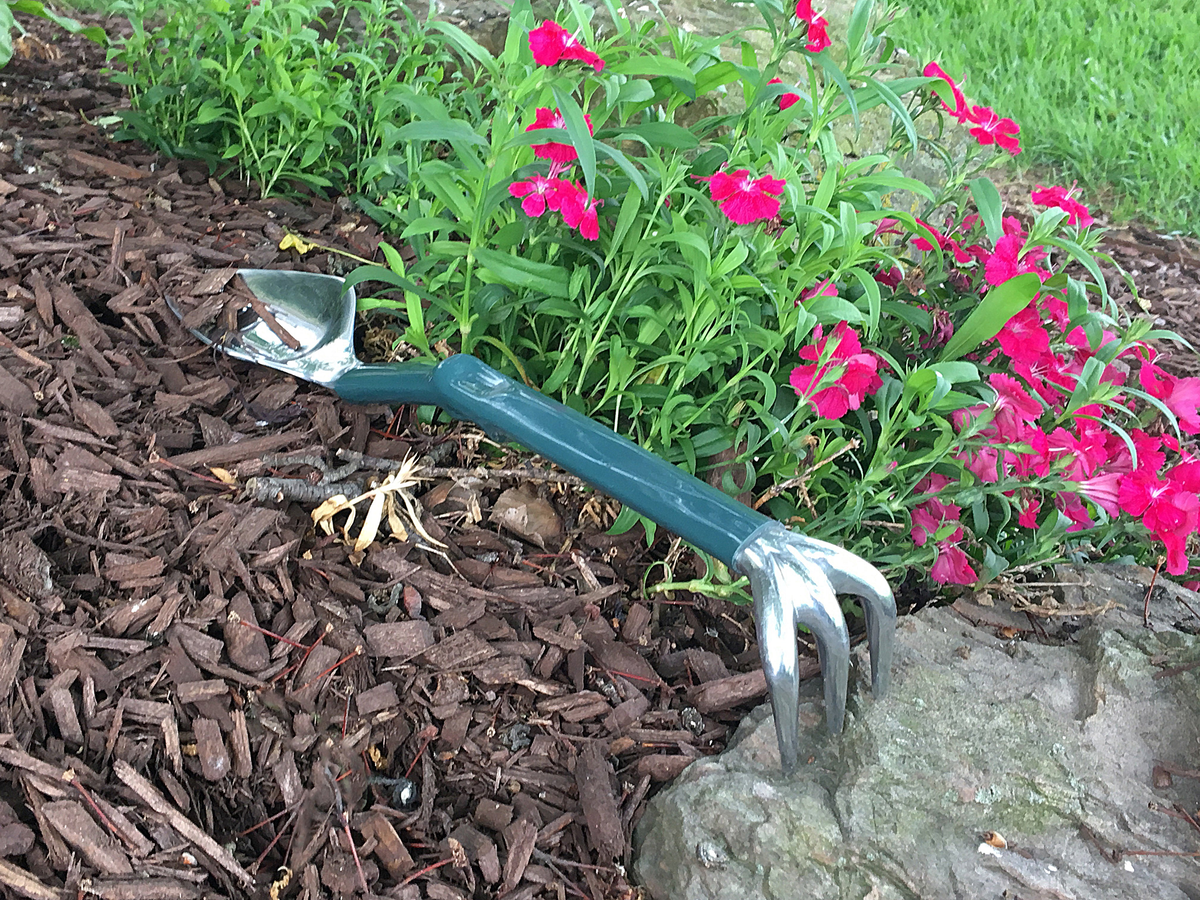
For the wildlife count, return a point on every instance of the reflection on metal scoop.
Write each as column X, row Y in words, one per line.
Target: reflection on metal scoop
column 794, row 579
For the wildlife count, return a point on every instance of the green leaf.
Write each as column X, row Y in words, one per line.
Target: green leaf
column 956, row 372
column 839, row 78
column 991, row 210
column 7, row 23
column 833, row 309
column 626, row 166
column 712, row 77
column 630, row 207
column 1086, row 260
column 638, row 90
column 1085, row 388
column 466, row 44
column 654, row 66
column 825, row 189
column 858, row 27
column 524, row 273
column 731, row 260
column 210, row 111
column 446, row 130
column 581, row 136
column 895, row 104
column 662, row 134
column 1001, row 304
column 425, row 225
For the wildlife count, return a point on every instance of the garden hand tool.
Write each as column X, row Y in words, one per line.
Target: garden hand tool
column 303, row 324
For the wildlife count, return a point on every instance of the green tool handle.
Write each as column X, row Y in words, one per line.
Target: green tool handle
column 473, row 391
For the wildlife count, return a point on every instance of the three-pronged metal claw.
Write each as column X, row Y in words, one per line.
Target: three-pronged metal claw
column 795, row 581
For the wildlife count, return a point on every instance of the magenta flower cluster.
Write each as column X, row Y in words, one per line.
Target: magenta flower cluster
column 550, row 44
column 984, row 123
column 1024, row 436
column 835, row 382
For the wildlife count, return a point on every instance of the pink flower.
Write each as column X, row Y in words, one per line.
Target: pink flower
column 922, row 243
column 989, row 128
column 785, row 100
column 1103, row 490
column 855, row 373
column 578, row 211
column 1171, row 516
column 1180, row 395
column 824, row 288
column 924, row 526
column 952, row 565
column 1054, row 308
column 889, row 278
column 539, row 193
column 550, row 42
column 1061, row 198
column 1169, row 508
column 929, row 517
column 1030, row 505
column 1072, row 507
column 556, row 153
column 934, row 483
column 818, row 37
column 933, row 70
column 743, row 198
column 1138, row 489
column 1023, row 338
column 1186, row 475
column 1013, row 405
column 1012, row 258
column 982, row 462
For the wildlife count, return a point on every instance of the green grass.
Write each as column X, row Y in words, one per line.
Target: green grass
column 1105, row 92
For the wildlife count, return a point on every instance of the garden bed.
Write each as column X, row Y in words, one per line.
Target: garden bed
column 201, row 694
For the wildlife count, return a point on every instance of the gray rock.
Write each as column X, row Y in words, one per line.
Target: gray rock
column 1050, row 746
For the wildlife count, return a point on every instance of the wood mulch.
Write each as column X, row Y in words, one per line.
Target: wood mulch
column 204, row 695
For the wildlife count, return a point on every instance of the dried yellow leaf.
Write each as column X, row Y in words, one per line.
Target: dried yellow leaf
column 295, row 242
column 223, row 474
column 370, row 526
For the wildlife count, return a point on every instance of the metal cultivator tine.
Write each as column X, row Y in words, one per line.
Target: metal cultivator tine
column 795, row 581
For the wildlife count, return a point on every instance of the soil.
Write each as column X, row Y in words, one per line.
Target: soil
column 202, row 694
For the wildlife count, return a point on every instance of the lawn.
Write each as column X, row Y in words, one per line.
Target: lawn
column 1106, row 93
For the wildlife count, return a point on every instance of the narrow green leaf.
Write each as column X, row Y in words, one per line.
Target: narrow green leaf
column 833, row 309
column 581, row 136
column 466, row 44
column 630, row 207
column 654, row 67
column 524, row 273
column 858, row 27
column 446, row 130
column 839, row 78
column 769, row 14
column 425, row 225
column 731, row 260
column 711, row 77
column 895, row 104
column 1001, row 304
column 626, row 166
column 661, row 134
column 991, row 210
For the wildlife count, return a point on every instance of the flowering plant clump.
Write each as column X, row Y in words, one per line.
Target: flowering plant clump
column 618, row 214
column 951, row 401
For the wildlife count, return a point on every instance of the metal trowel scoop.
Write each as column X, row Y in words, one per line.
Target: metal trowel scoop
column 303, row 324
